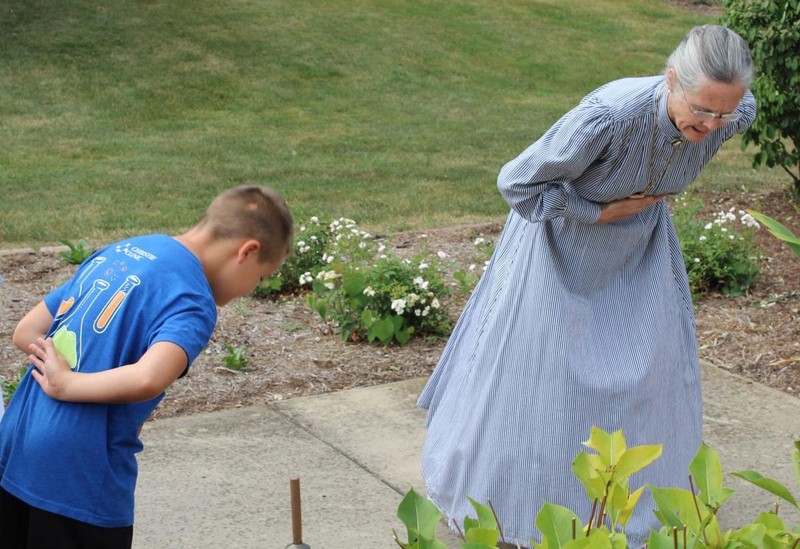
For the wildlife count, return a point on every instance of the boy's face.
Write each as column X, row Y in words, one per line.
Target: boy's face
column 241, row 278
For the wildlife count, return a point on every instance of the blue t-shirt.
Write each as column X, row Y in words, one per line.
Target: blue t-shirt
column 78, row 459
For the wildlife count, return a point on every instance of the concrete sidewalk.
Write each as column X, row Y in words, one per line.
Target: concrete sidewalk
column 222, row 479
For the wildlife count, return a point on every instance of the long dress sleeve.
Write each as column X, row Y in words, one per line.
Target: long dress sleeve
column 534, row 183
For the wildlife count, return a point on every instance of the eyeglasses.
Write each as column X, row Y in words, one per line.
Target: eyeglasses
column 709, row 115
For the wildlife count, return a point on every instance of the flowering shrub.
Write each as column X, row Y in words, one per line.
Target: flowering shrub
column 310, row 243
column 720, row 254
column 390, row 300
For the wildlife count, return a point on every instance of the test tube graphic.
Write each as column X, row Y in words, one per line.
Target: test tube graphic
column 89, row 270
column 114, row 303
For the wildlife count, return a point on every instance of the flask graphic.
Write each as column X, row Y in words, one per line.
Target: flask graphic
column 67, row 304
column 113, row 305
column 68, row 337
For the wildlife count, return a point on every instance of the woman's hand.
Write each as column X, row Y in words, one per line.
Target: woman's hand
column 50, row 369
column 622, row 209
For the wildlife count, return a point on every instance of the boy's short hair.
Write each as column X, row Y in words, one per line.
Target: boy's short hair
column 252, row 211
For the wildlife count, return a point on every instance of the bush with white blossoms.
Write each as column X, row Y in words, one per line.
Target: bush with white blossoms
column 360, row 287
column 720, row 254
column 391, row 299
column 303, row 264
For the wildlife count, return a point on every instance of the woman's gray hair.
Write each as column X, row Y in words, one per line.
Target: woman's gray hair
column 711, row 52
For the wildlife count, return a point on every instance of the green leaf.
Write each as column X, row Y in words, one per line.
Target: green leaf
column 419, row 515
column 636, row 459
column 585, row 467
column 353, row 284
column 485, row 515
column 555, row 524
column 675, row 507
column 627, row 511
column 707, row 473
column 383, row 329
column 659, row 540
column 778, row 230
column 751, row 534
column 597, row 539
column 486, row 536
column 770, row 485
column 609, row 446
column 402, row 336
column 771, row 521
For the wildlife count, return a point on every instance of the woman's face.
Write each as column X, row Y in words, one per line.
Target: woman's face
column 698, row 113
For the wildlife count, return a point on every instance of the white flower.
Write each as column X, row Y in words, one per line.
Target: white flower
column 313, row 237
column 749, row 221
column 697, row 260
column 423, row 266
column 381, row 248
column 411, row 299
column 329, row 285
column 417, row 312
column 435, row 303
column 306, row 278
column 724, row 229
column 479, row 241
column 399, row 306
column 703, row 238
column 441, row 254
column 421, row 282
column 300, row 244
column 314, row 219
column 708, row 226
column 369, row 291
column 731, row 236
column 472, row 267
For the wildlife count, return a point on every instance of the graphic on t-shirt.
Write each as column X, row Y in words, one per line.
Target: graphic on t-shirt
column 69, row 336
column 73, row 316
column 112, row 307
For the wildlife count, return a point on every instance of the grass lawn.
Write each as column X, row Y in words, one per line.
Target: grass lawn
column 128, row 117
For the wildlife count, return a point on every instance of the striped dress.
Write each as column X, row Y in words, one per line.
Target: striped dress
column 575, row 323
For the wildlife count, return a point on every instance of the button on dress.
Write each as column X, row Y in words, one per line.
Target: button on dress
column 575, row 323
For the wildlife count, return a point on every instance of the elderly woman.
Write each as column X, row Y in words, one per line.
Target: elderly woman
column 584, row 315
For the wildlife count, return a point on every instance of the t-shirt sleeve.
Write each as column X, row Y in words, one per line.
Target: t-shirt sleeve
column 533, row 183
column 189, row 325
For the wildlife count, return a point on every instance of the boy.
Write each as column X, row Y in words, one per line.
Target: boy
column 104, row 347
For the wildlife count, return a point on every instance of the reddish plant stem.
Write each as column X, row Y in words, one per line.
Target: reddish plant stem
column 458, row 529
column 591, row 517
column 497, row 520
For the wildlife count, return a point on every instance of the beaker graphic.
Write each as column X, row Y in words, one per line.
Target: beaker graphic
column 113, row 305
column 68, row 338
column 66, row 305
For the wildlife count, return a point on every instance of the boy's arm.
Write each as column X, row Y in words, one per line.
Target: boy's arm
column 32, row 326
column 145, row 379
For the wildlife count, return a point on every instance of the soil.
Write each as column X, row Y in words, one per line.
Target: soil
column 292, row 353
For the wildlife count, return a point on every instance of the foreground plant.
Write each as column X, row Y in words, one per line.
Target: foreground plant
column 779, row 231
column 688, row 517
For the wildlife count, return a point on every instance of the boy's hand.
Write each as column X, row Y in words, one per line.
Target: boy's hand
column 50, row 369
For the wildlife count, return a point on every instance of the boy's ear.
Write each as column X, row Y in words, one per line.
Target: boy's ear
column 248, row 247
